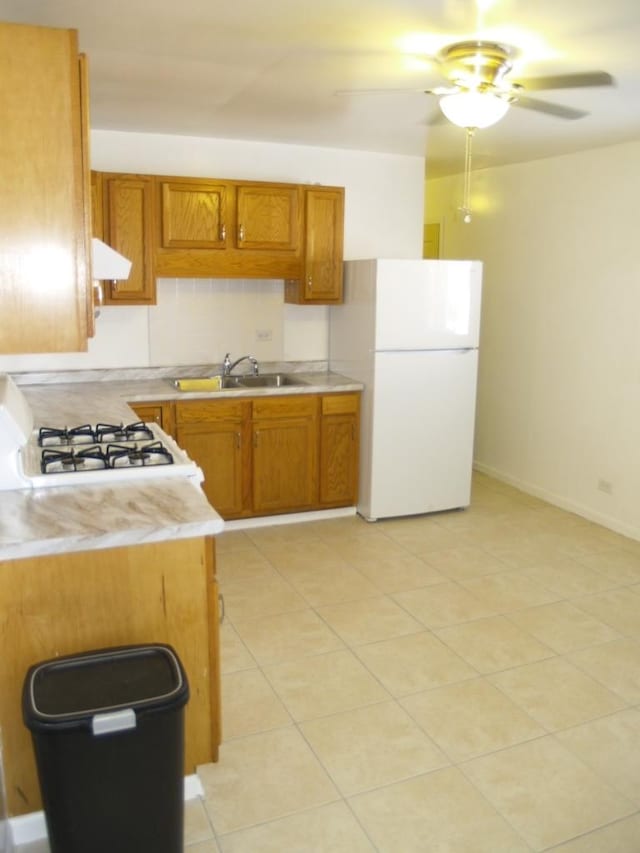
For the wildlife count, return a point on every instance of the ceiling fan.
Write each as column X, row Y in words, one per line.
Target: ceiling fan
column 479, row 92
column 480, row 89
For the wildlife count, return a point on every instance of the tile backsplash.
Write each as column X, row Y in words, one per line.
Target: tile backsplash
column 196, row 321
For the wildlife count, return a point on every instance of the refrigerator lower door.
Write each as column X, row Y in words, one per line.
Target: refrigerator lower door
column 418, row 433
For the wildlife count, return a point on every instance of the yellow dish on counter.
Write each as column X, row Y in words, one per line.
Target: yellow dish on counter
column 209, row 383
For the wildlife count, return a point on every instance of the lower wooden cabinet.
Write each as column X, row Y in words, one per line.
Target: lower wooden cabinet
column 215, row 434
column 268, row 455
column 160, row 413
column 339, row 449
column 284, row 437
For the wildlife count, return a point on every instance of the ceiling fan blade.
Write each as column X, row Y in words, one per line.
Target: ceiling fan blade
column 444, row 90
column 550, row 109
column 378, row 91
column 578, row 80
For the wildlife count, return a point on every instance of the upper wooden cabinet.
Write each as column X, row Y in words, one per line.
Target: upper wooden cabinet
column 267, row 218
column 321, row 279
column 232, row 229
column 208, row 228
column 201, row 214
column 193, row 214
column 127, row 226
column 46, row 293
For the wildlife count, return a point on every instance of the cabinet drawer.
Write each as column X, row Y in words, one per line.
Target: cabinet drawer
column 211, row 411
column 340, row 404
column 294, row 406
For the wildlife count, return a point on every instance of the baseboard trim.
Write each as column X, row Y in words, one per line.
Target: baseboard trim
column 560, row 501
column 32, row 827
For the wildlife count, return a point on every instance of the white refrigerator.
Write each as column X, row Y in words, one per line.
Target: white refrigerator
column 409, row 329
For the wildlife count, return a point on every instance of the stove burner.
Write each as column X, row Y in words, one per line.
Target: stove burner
column 49, row 436
column 131, row 432
column 56, row 461
column 133, row 456
column 101, row 433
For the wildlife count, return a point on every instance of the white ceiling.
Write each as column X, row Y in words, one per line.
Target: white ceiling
column 269, row 70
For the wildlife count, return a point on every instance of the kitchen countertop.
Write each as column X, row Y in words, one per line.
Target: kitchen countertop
column 80, row 402
column 38, row 522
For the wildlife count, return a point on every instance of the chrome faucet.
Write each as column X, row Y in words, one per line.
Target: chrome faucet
column 228, row 365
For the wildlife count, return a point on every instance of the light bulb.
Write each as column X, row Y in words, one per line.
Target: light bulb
column 473, row 109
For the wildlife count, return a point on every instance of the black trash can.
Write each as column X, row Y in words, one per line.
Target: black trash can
column 108, row 736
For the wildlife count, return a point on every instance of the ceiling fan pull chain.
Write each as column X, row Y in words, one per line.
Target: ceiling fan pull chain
column 466, row 193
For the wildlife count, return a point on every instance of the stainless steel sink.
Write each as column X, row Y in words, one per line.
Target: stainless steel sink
column 265, row 380
column 240, row 382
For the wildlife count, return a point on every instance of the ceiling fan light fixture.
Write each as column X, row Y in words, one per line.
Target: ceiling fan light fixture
column 473, row 109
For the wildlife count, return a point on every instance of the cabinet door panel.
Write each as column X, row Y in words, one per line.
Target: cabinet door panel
column 284, row 466
column 218, row 450
column 338, row 460
column 44, row 253
column 324, row 246
column 194, row 215
column 267, row 218
column 128, row 216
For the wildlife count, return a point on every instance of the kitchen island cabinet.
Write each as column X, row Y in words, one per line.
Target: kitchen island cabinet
column 47, row 298
column 100, row 565
column 61, row 604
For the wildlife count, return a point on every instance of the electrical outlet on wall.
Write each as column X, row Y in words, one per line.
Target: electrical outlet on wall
column 605, row 486
column 264, row 334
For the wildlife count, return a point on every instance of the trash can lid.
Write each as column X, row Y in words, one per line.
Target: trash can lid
column 68, row 690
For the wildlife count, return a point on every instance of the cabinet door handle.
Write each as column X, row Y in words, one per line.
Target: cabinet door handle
column 255, row 438
column 223, row 232
column 241, row 233
column 221, row 608
column 238, row 440
column 309, row 282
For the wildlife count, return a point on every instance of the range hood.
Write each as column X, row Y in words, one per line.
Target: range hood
column 106, row 263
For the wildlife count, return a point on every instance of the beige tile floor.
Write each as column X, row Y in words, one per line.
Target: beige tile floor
column 466, row 682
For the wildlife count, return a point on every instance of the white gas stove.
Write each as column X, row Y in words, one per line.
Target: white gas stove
column 83, row 454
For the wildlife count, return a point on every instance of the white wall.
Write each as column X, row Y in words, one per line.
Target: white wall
column 197, row 320
column 559, row 387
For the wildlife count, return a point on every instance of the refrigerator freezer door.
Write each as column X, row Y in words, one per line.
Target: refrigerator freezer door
column 420, row 449
column 427, row 304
